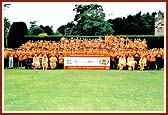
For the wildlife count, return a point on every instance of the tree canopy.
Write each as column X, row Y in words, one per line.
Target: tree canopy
column 7, row 25
column 134, row 24
column 16, row 34
column 35, row 29
column 90, row 20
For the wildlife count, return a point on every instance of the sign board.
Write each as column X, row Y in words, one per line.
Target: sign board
column 89, row 62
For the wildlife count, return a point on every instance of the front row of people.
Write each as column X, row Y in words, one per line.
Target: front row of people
column 131, row 63
column 36, row 62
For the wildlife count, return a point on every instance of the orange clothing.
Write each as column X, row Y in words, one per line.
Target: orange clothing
column 20, row 58
column 53, row 61
column 45, row 62
column 36, row 60
column 152, row 58
column 11, row 53
column 61, row 60
column 6, row 54
column 143, row 61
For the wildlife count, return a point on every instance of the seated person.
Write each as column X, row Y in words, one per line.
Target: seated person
column 131, row 62
column 122, row 62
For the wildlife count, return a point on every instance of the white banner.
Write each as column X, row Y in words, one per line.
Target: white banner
column 86, row 61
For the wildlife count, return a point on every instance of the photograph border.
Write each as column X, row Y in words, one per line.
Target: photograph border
column 2, row 63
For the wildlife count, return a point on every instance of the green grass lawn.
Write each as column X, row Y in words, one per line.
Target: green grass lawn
column 83, row 90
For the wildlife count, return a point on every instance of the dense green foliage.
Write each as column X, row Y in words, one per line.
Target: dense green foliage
column 83, row 90
column 7, row 25
column 134, row 24
column 90, row 20
column 47, row 29
column 35, row 29
column 16, row 34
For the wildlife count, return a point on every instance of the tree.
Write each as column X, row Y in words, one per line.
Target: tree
column 16, row 34
column 63, row 29
column 35, row 29
column 7, row 26
column 89, row 19
column 134, row 24
column 47, row 29
column 58, row 33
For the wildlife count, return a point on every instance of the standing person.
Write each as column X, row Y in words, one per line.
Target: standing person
column 16, row 61
column 29, row 60
column 17, row 53
column 40, row 60
column 116, row 60
column 61, row 61
column 158, row 61
column 148, row 61
column 25, row 58
column 45, row 62
column 136, row 58
column 6, row 58
column 112, row 61
column 20, row 59
column 11, row 55
column 53, row 61
column 143, row 62
column 36, row 62
column 162, row 53
column 153, row 62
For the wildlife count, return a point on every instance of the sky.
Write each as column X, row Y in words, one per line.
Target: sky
column 60, row 13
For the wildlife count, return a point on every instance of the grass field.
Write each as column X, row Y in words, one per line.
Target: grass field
column 83, row 90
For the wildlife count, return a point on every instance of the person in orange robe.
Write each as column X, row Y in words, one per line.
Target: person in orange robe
column 45, row 62
column 53, row 61
column 61, row 61
column 6, row 57
column 122, row 62
column 131, row 62
column 36, row 62
column 153, row 61
column 20, row 58
column 143, row 62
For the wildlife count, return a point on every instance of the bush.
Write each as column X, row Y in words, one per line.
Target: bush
column 43, row 35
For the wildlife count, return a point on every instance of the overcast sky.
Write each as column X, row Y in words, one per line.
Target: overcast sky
column 58, row 13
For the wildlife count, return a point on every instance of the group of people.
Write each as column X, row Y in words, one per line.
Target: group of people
column 124, row 53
